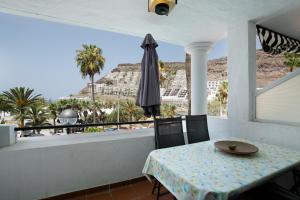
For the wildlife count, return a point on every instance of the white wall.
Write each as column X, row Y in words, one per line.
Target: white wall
column 218, row 127
column 242, row 88
column 241, row 75
column 41, row 167
column 270, row 133
column 34, row 169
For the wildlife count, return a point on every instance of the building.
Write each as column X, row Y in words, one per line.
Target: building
column 126, row 83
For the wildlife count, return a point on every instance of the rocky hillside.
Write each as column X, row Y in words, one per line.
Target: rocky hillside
column 269, row 68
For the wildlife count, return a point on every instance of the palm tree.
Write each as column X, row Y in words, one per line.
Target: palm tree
column 292, row 60
column 162, row 73
column 20, row 99
column 85, row 109
column 222, row 95
column 53, row 113
column 38, row 115
column 113, row 116
column 130, row 110
column 91, row 62
column 100, row 114
column 139, row 114
column 4, row 107
column 168, row 110
column 109, row 104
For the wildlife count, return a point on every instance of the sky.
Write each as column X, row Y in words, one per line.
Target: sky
column 41, row 54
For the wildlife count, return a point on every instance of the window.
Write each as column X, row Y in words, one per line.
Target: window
column 277, row 94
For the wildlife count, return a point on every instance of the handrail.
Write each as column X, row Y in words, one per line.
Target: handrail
column 82, row 125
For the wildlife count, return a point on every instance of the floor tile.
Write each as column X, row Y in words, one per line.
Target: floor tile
column 70, row 196
column 119, row 187
column 149, row 197
column 143, row 188
column 81, row 197
column 101, row 195
column 166, row 197
column 123, row 193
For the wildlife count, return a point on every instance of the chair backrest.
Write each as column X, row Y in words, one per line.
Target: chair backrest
column 168, row 132
column 196, row 128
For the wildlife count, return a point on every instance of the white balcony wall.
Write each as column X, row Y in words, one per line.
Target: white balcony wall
column 279, row 102
column 36, row 168
column 41, row 167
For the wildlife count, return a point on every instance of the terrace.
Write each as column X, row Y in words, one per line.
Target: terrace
column 38, row 168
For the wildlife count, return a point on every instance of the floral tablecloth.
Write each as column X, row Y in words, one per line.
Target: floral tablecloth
column 199, row 171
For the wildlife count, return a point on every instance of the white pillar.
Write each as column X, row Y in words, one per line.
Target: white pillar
column 241, row 70
column 198, row 52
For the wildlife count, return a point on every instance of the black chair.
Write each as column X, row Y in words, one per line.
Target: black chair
column 196, row 128
column 168, row 133
column 295, row 189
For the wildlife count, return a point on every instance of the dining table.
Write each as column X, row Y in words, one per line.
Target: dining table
column 200, row 171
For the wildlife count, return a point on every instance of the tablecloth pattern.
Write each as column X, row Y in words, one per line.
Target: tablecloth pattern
column 199, row 171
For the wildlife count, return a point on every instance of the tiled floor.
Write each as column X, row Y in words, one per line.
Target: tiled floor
column 140, row 190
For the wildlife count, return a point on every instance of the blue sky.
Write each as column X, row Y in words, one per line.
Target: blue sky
column 41, row 55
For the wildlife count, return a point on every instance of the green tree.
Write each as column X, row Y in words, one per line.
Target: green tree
column 53, row 113
column 162, row 73
column 20, row 99
column 128, row 112
column 4, row 107
column 109, row 104
column 90, row 61
column 139, row 114
column 222, row 93
column 222, row 96
column 93, row 130
column 38, row 115
column 130, row 109
column 86, row 107
column 168, row 110
column 292, row 60
column 113, row 116
column 213, row 108
column 101, row 116
column 73, row 104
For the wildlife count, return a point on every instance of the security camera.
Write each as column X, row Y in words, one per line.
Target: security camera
column 161, row 7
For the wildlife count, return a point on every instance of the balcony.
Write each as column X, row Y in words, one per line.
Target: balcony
column 109, row 166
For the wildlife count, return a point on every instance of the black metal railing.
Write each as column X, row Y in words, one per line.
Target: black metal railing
column 82, row 125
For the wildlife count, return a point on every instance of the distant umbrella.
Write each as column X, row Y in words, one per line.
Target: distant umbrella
column 148, row 96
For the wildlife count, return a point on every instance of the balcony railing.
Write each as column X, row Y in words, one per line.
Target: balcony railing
column 82, row 125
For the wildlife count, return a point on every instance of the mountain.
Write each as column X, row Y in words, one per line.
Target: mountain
column 269, row 68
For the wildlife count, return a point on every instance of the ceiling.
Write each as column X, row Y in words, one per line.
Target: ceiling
column 287, row 23
column 190, row 21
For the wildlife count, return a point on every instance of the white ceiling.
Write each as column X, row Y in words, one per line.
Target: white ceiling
column 287, row 23
column 190, row 21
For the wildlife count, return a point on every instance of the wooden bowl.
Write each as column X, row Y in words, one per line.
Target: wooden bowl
column 236, row 147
